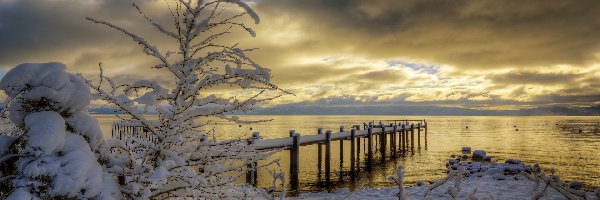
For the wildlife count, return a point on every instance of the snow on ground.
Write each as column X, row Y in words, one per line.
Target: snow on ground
column 481, row 180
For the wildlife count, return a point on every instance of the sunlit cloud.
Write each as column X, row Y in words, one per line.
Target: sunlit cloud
column 490, row 55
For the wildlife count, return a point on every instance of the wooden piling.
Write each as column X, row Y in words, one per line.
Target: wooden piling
column 294, row 161
column 352, row 147
column 319, row 150
column 370, row 148
column 419, row 134
column 403, row 137
column 393, row 143
column 358, row 151
column 342, row 148
column 252, row 167
column 425, row 134
column 382, row 142
column 327, row 155
column 412, row 135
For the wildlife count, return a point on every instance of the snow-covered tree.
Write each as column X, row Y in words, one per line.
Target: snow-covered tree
column 56, row 147
column 182, row 161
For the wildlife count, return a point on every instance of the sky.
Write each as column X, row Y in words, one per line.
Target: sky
column 409, row 56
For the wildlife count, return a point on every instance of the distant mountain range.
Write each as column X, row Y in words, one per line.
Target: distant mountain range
column 300, row 109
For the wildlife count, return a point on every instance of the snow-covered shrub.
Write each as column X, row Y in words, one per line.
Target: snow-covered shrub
column 399, row 180
column 56, row 150
column 182, row 162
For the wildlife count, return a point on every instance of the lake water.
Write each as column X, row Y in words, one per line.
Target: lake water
column 571, row 145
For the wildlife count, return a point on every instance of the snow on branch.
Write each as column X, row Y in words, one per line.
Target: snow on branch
column 180, row 161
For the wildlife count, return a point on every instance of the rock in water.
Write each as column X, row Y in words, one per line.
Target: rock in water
column 478, row 154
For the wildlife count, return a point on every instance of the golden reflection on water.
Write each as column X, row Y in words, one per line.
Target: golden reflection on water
column 569, row 144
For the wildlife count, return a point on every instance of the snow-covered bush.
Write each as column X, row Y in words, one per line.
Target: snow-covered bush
column 399, row 180
column 55, row 150
column 182, row 162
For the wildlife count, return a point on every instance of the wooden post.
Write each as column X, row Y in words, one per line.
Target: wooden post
column 370, row 148
column 393, row 143
column 358, row 151
column 403, row 135
column 383, row 142
column 294, row 160
column 412, row 135
column 342, row 148
column 252, row 173
column 352, row 147
column 319, row 150
column 419, row 134
column 425, row 134
column 327, row 155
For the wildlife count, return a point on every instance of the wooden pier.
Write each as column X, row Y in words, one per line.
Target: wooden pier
column 401, row 135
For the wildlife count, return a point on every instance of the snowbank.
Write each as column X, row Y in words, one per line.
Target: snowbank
column 476, row 180
column 484, row 183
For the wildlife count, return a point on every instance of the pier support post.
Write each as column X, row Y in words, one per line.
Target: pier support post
column 252, row 167
column 342, row 148
column 370, row 148
column 425, row 134
column 402, row 137
column 358, row 151
column 412, row 135
column 319, row 151
column 327, row 156
column 419, row 134
column 382, row 142
column 393, row 143
column 352, row 149
column 294, row 160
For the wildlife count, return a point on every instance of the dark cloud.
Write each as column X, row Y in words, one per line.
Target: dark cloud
column 466, row 34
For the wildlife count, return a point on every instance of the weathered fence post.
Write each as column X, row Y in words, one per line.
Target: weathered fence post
column 294, row 160
column 252, row 167
column 370, row 148
column 352, row 147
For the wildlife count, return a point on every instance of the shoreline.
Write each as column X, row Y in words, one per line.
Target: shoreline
column 476, row 179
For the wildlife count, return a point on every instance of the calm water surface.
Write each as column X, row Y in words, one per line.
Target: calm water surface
column 554, row 142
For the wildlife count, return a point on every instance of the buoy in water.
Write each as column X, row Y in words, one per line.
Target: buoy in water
column 517, row 129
